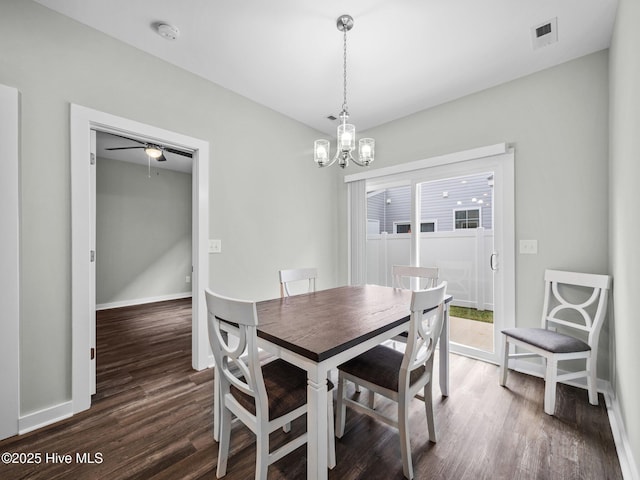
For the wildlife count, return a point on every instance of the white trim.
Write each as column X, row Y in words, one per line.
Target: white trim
column 83, row 120
column 142, row 301
column 463, row 156
column 628, row 465
column 45, row 417
column 9, row 261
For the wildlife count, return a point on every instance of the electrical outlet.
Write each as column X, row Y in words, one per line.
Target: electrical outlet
column 529, row 247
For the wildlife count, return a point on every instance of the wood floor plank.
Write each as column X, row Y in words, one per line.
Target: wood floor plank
column 151, row 418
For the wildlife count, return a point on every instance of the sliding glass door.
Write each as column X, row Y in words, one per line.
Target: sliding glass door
column 457, row 218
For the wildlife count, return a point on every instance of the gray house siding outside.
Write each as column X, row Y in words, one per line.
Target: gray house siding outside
column 440, row 199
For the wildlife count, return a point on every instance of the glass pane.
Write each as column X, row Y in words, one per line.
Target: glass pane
column 388, row 242
column 450, row 205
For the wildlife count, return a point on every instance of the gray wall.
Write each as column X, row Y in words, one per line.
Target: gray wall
column 143, row 232
column 557, row 120
column 624, row 232
column 271, row 206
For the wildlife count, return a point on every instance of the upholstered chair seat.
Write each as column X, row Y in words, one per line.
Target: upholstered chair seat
column 286, row 387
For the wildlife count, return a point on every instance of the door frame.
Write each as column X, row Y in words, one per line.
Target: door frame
column 500, row 159
column 83, row 120
column 9, row 261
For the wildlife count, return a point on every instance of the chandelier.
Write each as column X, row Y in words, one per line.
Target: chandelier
column 346, row 131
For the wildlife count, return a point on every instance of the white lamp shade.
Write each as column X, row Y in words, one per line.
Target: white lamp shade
column 346, row 137
column 153, row 152
column 321, row 152
column 366, row 150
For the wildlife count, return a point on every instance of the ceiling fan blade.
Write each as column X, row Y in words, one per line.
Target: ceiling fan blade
column 127, row 138
column 161, row 158
column 122, row 148
column 177, row 152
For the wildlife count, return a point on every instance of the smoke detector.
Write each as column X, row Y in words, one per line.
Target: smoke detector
column 167, row 31
column 544, row 34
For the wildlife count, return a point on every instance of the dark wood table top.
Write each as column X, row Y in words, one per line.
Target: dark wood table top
column 322, row 324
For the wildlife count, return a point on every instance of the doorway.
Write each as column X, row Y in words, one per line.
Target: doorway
column 83, row 121
column 455, row 236
column 453, row 212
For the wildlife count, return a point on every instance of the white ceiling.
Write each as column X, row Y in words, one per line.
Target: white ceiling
column 403, row 55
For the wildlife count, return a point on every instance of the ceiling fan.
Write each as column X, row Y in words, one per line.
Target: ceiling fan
column 153, row 150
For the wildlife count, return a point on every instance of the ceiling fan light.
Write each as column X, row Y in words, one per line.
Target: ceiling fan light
column 153, row 152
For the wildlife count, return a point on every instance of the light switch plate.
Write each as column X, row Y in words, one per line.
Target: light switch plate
column 215, row 246
column 529, row 247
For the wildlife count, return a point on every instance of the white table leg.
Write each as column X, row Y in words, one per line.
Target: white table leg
column 317, row 426
column 444, row 354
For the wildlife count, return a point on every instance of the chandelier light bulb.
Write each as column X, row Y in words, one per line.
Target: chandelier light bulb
column 321, row 152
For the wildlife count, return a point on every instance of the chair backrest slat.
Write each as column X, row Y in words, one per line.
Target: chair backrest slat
column 238, row 365
column 425, row 327
column 581, row 298
column 296, row 275
column 427, row 277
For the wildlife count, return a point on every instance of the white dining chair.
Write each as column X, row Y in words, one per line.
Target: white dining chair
column 297, row 275
column 263, row 397
column 411, row 278
column 399, row 376
column 423, row 277
column 575, row 306
column 292, row 275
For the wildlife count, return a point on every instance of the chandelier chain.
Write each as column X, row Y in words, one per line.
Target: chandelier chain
column 344, row 58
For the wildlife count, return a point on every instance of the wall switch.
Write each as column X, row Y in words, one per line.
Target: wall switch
column 529, row 247
column 187, row 279
column 215, row 246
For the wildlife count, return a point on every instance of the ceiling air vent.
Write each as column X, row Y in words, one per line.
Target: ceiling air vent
column 332, row 117
column 544, row 34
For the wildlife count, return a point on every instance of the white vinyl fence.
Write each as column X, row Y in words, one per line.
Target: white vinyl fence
column 463, row 257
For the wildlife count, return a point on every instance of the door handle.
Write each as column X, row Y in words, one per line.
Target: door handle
column 492, row 261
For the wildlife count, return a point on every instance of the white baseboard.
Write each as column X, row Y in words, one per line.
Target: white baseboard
column 628, row 465
column 142, row 301
column 44, row 417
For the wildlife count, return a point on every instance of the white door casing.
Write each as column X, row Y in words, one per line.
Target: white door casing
column 9, row 262
column 83, row 121
column 92, row 265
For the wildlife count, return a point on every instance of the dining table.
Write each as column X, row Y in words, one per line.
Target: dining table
column 320, row 330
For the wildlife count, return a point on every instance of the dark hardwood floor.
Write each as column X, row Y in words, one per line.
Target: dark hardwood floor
column 152, row 417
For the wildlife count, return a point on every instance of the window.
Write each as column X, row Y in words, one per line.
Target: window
column 466, row 218
column 405, row 227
